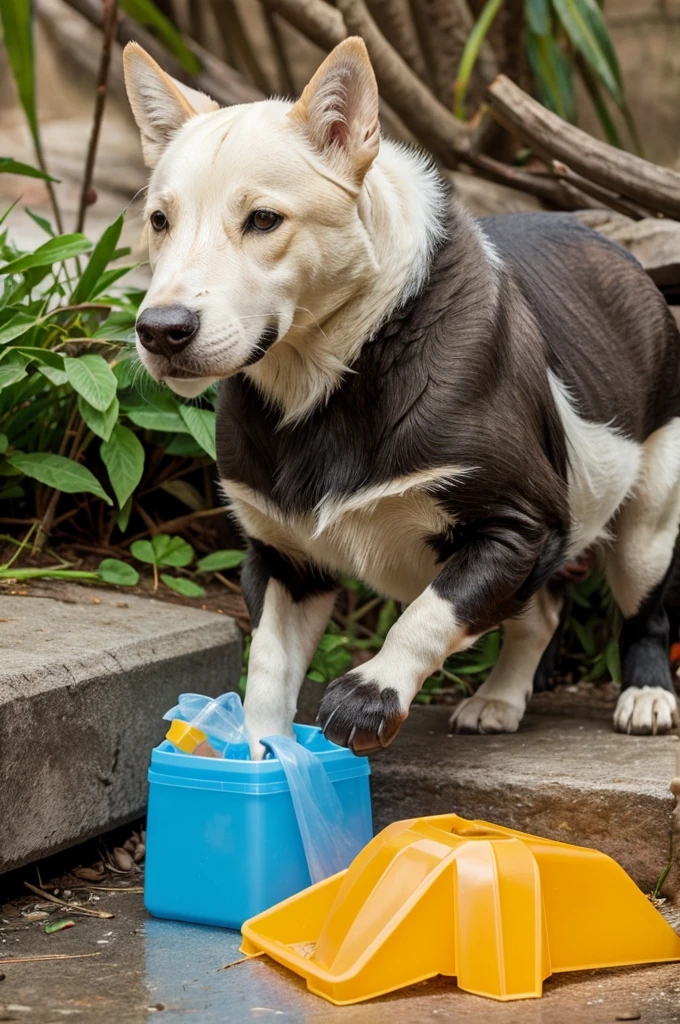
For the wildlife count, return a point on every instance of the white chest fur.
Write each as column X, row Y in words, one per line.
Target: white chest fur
column 378, row 534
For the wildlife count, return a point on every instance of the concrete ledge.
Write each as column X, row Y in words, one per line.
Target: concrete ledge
column 571, row 779
column 83, row 688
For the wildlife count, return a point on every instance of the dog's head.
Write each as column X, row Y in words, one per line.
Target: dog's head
column 252, row 214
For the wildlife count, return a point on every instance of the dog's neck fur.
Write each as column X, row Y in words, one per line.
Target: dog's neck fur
column 401, row 207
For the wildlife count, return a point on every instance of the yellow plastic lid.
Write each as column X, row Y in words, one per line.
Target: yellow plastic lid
column 184, row 736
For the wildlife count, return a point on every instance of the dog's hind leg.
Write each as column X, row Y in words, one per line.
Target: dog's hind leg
column 638, row 567
column 500, row 702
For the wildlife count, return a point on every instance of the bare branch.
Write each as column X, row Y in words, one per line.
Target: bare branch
column 395, row 20
column 109, row 27
column 232, row 28
column 657, row 188
column 421, row 112
column 316, row 20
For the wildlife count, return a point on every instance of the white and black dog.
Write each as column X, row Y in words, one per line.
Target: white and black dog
column 449, row 410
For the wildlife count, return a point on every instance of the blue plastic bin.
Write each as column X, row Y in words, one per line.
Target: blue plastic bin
column 223, row 842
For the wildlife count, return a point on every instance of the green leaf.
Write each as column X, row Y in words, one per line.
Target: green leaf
column 123, row 456
column 10, row 166
column 316, row 677
column 220, row 560
column 92, row 377
column 612, row 659
column 110, row 277
column 18, row 39
column 11, row 371
column 183, row 444
column 201, row 426
column 42, row 222
column 595, row 93
column 389, row 613
column 146, row 13
column 45, row 356
column 112, row 570
column 537, row 15
column 187, row 588
column 552, row 75
column 585, row 637
column 578, row 18
column 16, row 326
column 4, row 442
column 124, row 515
column 59, row 472
column 60, row 248
column 172, row 551
column 56, row 377
column 470, row 53
column 100, row 423
column 119, row 326
column 143, row 551
column 155, row 419
column 98, row 262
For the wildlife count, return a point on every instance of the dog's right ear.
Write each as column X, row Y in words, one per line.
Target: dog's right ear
column 160, row 104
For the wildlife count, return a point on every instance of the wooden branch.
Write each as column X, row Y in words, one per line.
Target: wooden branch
column 657, row 188
column 110, row 16
column 287, row 85
column 232, row 28
column 443, row 27
column 604, row 195
column 540, row 185
column 422, row 113
column 395, row 21
column 315, row 19
column 216, row 78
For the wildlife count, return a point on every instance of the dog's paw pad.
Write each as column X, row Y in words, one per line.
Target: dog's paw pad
column 645, row 711
column 485, row 715
column 356, row 713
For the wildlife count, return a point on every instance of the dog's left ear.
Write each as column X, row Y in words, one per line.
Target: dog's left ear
column 339, row 108
column 160, row 104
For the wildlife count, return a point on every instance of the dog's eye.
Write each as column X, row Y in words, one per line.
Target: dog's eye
column 159, row 222
column 263, row 220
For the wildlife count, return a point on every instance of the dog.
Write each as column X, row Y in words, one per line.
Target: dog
column 449, row 409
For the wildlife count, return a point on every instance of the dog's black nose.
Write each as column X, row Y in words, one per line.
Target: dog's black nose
column 166, row 330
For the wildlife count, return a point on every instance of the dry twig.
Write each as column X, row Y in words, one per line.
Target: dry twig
column 64, row 903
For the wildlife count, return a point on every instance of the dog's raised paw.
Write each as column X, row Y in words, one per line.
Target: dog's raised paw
column 485, row 715
column 357, row 713
column 646, row 711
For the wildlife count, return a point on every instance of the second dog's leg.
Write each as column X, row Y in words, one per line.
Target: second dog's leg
column 499, row 703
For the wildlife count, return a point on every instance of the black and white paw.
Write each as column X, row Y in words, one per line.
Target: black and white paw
column 485, row 715
column 646, row 711
column 356, row 713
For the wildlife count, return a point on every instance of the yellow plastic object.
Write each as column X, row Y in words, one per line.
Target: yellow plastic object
column 498, row 909
column 189, row 739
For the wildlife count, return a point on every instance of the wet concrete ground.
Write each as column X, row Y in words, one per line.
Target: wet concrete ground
column 150, row 969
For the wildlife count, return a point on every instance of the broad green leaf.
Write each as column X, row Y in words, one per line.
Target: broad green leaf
column 42, row 222
column 98, row 262
column 16, row 18
column 184, row 444
column 56, row 377
column 187, row 588
column 184, row 492
column 537, row 13
column 112, row 570
column 577, row 17
column 172, row 551
column 146, row 13
column 143, row 551
column 11, row 491
column 11, row 371
column 123, row 456
column 585, row 637
column 612, row 659
column 92, row 377
column 16, row 326
column 44, row 356
column 59, row 472
column 220, row 560
column 10, row 166
column 201, row 425
column 4, row 442
column 155, row 419
column 316, row 677
column 119, row 326
column 100, row 423
column 60, row 248
column 552, row 75
column 124, row 515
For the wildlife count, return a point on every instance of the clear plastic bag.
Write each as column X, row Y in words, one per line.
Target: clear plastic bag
column 329, row 845
column 222, row 719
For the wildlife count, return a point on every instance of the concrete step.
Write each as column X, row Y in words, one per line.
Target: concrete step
column 84, row 684
column 567, row 778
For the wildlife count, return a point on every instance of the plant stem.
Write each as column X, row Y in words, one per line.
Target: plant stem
column 110, row 18
column 56, row 574
column 470, row 54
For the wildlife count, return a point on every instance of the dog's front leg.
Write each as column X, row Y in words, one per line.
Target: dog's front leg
column 487, row 580
column 290, row 604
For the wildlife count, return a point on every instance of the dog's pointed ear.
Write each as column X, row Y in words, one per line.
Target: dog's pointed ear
column 160, row 104
column 339, row 108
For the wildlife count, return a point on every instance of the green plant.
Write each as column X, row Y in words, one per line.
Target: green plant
column 562, row 37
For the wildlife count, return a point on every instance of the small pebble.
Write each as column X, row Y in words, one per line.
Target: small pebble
column 628, row 1015
column 122, row 859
